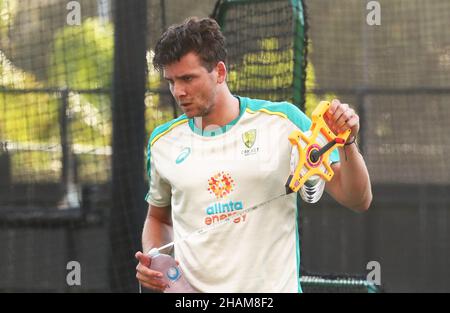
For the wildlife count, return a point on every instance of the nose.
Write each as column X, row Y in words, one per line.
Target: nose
column 178, row 90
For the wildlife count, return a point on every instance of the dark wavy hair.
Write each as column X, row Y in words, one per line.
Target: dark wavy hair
column 202, row 36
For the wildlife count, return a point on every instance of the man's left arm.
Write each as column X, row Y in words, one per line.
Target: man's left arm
column 350, row 185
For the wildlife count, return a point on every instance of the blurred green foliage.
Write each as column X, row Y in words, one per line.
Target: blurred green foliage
column 272, row 69
column 82, row 56
column 81, row 68
column 8, row 10
column 81, row 59
column 28, row 120
column 27, row 116
column 267, row 69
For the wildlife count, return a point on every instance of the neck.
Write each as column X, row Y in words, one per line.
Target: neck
column 225, row 110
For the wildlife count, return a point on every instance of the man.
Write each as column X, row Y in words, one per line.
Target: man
column 224, row 154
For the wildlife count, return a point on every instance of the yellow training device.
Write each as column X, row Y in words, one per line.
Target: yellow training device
column 314, row 148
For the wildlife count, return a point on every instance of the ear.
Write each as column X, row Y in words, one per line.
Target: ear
column 221, row 72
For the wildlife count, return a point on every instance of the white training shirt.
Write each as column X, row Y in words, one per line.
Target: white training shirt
column 206, row 176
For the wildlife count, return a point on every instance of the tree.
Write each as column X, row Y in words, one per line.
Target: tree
column 81, row 59
column 8, row 9
column 270, row 71
column 28, row 122
column 26, row 116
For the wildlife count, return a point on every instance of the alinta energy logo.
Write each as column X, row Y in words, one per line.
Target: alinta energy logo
column 222, row 185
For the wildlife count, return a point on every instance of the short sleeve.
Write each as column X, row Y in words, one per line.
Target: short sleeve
column 159, row 193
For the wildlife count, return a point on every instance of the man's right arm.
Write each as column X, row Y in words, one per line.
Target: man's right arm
column 157, row 232
column 157, row 228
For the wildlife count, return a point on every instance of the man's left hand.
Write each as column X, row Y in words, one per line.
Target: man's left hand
column 341, row 117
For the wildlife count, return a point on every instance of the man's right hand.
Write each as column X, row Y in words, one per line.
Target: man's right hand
column 148, row 278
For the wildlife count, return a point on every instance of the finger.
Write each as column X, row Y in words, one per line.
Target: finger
column 333, row 106
column 143, row 259
column 335, row 103
column 145, row 271
column 353, row 121
column 339, row 111
column 331, row 125
column 344, row 118
column 152, row 287
column 353, row 124
column 148, row 278
column 153, row 283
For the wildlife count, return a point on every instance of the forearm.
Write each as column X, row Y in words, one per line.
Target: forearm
column 355, row 181
column 155, row 234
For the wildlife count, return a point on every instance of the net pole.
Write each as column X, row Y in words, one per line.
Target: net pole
column 128, row 207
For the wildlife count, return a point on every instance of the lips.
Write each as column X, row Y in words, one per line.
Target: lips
column 185, row 104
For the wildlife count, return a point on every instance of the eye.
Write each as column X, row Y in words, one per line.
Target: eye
column 187, row 78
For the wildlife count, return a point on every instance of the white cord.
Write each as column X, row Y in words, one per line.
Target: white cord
column 215, row 225
column 221, row 222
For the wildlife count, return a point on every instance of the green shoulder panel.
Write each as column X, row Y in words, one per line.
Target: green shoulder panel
column 160, row 131
column 286, row 110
